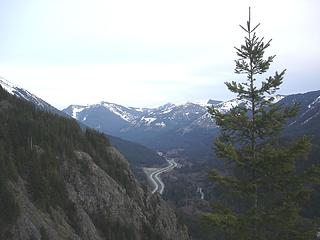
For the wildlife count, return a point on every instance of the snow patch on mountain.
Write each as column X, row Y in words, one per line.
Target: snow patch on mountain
column 228, row 105
column 168, row 110
column 139, row 109
column 8, row 86
column 24, row 94
column 119, row 110
column 310, row 118
column 148, row 120
column 77, row 109
column 277, row 98
column 161, row 125
column 316, row 101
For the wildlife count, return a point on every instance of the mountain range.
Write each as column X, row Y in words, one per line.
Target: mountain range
column 183, row 128
column 187, row 128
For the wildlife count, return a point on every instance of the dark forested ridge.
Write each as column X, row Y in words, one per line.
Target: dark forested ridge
column 137, row 154
column 59, row 181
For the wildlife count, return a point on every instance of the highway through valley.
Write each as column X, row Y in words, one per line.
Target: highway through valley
column 154, row 176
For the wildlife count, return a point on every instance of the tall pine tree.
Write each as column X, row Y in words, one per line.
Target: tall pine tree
column 262, row 191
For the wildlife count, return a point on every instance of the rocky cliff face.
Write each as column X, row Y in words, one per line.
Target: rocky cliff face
column 101, row 208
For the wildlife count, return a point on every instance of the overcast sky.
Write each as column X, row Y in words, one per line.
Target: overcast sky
column 146, row 52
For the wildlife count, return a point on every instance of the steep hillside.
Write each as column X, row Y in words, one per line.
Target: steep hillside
column 308, row 119
column 26, row 95
column 137, row 154
column 140, row 156
column 59, row 181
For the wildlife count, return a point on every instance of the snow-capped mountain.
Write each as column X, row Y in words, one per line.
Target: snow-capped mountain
column 119, row 120
column 185, row 126
column 127, row 114
column 106, row 117
column 225, row 106
column 170, row 116
column 170, row 126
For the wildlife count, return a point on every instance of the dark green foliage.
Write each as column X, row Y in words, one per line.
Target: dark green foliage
column 263, row 189
column 9, row 208
column 34, row 144
column 97, row 140
column 44, row 234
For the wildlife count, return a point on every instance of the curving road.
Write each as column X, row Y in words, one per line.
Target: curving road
column 155, row 176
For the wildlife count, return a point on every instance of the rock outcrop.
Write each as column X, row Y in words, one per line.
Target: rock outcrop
column 101, row 207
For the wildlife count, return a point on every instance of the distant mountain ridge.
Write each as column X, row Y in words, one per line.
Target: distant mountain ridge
column 186, row 126
column 121, row 119
column 168, row 116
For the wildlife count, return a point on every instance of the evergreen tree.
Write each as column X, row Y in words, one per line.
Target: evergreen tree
column 262, row 189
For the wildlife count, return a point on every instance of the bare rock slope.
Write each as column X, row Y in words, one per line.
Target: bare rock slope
column 103, row 208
